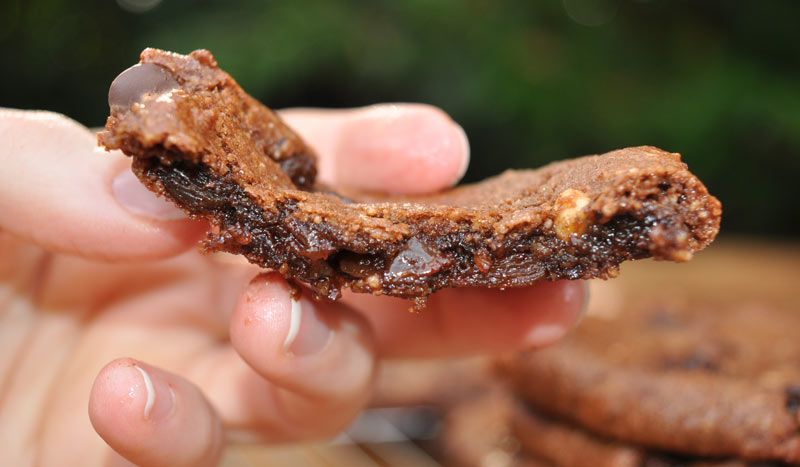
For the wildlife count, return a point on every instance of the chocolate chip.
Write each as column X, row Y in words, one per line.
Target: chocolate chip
column 137, row 81
column 699, row 361
column 665, row 460
column 417, row 260
column 300, row 169
column 358, row 265
column 696, row 360
column 662, row 317
column 793, row 398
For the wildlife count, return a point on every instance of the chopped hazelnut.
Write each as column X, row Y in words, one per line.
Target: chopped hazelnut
column 373, row 281
column 571, row 217
column 681, row 256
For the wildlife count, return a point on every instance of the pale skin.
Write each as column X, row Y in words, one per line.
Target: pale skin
column 121, row 343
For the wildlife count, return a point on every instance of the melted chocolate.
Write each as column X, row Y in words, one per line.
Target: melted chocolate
column 130, row 85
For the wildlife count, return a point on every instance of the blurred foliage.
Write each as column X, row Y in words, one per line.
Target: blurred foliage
column 530, row 81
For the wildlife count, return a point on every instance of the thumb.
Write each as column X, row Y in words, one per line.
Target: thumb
column 60, row 190
column 153, row 417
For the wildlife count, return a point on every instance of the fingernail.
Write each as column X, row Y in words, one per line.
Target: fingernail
column 574, row 297
column 134, row 197
column 465, row 143
column 160, row 398
column 545, row 334
column 308, row 333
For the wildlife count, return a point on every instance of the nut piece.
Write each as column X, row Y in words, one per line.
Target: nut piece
column 418, row 259
column 373, row 281
column 571, row 216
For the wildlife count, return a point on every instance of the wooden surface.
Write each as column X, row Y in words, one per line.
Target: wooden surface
column 731, row 270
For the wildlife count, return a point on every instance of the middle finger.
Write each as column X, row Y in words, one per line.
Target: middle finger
column 468, row 321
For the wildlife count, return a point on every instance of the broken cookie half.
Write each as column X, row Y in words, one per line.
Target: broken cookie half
column 198, row 139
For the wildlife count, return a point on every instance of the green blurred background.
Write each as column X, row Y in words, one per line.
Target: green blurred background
column 530, row 81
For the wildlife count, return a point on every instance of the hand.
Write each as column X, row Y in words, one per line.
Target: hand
column 174, row 353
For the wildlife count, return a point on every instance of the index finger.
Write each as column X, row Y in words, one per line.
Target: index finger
column 392, row 148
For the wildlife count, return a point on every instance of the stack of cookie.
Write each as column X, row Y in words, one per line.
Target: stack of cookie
column 664, row 384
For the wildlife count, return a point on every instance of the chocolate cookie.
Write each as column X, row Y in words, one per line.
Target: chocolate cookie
column 563, row 444
column 202, row 142
column 494, row 429
column 696, row 379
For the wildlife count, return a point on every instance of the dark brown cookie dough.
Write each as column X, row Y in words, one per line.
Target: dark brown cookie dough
column 696, row 379
column 202, row 142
